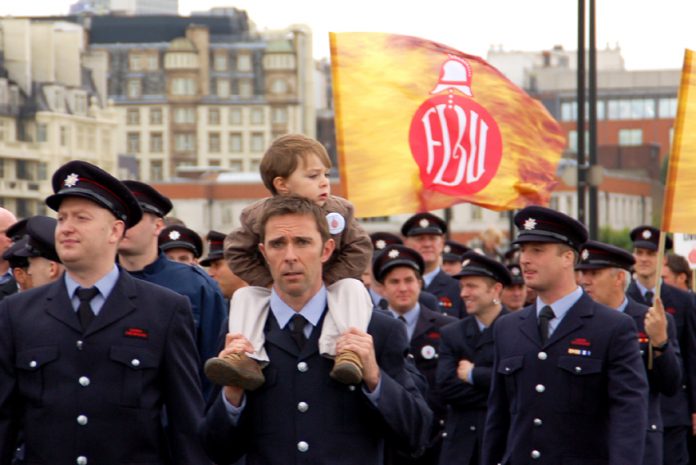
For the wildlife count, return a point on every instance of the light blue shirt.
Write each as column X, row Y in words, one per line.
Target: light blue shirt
column 624, row 304
column 559, row 307
column 644, row 289
column 428, row 277
column 411, row 318
column 312, row 312
column 6, row 276
column 105, row 285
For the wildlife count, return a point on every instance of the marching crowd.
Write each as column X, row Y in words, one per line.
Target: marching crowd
column 300, row 338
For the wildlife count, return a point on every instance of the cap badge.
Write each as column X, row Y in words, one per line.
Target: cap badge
column 174, row 235
column 71, row 180
column 380, row 244
column 585, row 254
column 465, row 262
column 447, row 249
column 647, row 234
column 530, row 224
column 393, row 253
column 515, row 271
column 424, row 223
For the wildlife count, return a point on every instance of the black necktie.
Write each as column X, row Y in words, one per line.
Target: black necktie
column 649, row 297
column 402, row 319
column 545, row 316
column 298, row 323
column 84, row 311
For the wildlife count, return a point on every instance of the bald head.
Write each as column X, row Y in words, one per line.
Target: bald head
column 7, row 219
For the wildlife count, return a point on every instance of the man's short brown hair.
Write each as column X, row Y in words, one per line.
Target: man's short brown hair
column 679, row 265
column 283, row 156
column 293, row 205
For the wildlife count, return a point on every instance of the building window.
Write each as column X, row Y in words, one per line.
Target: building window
column 280, row 115
column 243, row 62
column 42, row 171
column 183, row 86
column 23, row 170
column 256, row 115
column 279, row 86
column 184, row 142
column 214, row 142
column 185, row 115
column 235, row 141
column 257, row 142
column 133, row 142
column 637, row 108
column 255, row 165
column 155, row 116
column 630, row 136
column 41, row 132
column 223, row 88
column 214, row 162
column 220, row 62
column 214, row 116
column 156, row 142
column 139, row 61
column 235, row 116
column 476, row 213
column 236, row 166
column 156, row 171
column 179, row 60
column 245, row 88
column 667, row 108
column 2, row 168
column 80, row 103
column 134, row 88
column 64, row 136
column 133, row 116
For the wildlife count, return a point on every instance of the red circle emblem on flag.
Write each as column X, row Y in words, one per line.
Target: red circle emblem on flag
column 456, row 144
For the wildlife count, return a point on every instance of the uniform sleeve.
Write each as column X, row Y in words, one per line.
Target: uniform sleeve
column 181, row 386
column 453, row 390
column 354, row 252
column 241, row 249
column 9, row 416
column 498, row 416
column 688, row 350
column 666, row 375
column 403, row 409
column 627, row 390
column 213, row 313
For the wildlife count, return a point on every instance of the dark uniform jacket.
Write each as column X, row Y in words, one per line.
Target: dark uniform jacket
column 664, row 378
column 679, row 304
column 9, row 288
column 98, row 397
column 446, row 289
column 301, row 415
column 467, row 403
column 579, row 399
column 207, row 302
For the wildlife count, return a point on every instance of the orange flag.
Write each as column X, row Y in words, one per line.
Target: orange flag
column 421, row 126
column 680, row 189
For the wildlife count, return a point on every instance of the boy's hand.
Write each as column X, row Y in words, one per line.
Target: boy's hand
column 361, row 343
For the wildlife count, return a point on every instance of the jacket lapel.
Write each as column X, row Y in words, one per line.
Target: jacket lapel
column 280, row 338
column 120, row 303
column 528, row 324
column 58, row 305
column 486, row 336
column 424, row 323
column 633, row 292
column 573, row 319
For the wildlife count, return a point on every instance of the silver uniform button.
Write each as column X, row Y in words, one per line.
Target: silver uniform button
column 79, row 345
column 535, row 454
column 302, row 446
column 542, row 356
column 84, row 381
column 82, row 420
column 33, row 364
column 653, row 427
column 538, row 422
column 81, row 460
column 578, row 370
column 540, row 388
column 472, row 428
column 442, row 422
column 444, row 434
column 303, row 367
column 303, row 407
column 135, row 362
column 351, row 388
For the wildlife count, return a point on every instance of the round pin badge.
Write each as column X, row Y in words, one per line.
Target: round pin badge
column 428, row 352
column 336, row 222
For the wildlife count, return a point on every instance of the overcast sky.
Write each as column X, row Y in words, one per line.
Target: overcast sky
column 651, row 34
